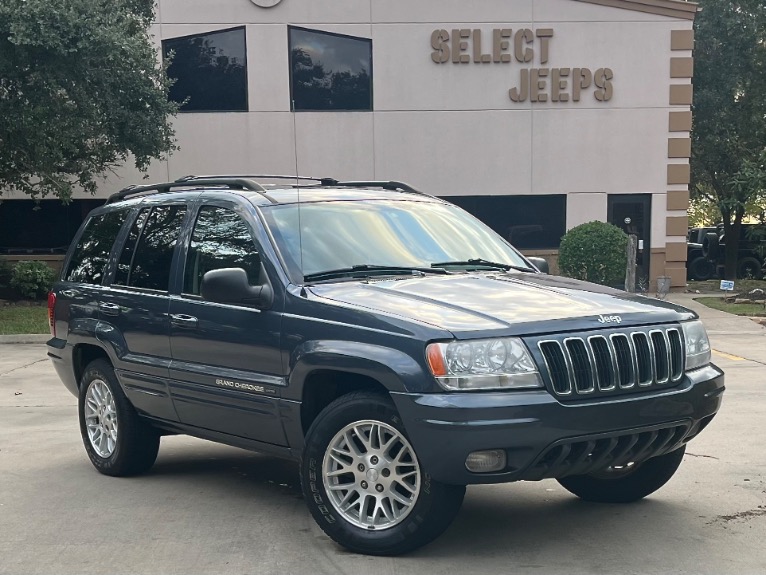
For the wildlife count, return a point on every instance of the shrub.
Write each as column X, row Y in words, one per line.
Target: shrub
column 595, row 252
column 6, row 271
column 32, row 279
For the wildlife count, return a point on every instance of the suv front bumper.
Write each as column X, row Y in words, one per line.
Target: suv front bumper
column 543, row 437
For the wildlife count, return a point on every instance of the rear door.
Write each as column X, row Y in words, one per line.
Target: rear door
column 134, row 312
column 226, row 373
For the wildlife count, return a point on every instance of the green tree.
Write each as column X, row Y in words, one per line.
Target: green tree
column 729, row 133
column 82, row 90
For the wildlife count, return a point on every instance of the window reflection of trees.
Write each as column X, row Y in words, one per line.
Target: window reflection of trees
column 92, row 252
column 151, row 264
column 210, row 71
column 330, row 72
column 221, row 239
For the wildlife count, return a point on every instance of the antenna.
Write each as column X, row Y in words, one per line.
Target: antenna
column 298, row 190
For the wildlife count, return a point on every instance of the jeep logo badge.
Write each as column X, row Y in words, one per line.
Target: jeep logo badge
column 609, row 319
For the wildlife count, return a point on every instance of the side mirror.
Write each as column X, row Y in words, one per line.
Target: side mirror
column 540, row 264
column 231, row 285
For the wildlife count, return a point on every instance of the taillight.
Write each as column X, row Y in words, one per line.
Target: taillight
column 52, row 313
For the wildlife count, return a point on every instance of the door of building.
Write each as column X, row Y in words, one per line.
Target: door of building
column 632, row 213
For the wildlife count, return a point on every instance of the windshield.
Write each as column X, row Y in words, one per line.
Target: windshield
column 392, row 233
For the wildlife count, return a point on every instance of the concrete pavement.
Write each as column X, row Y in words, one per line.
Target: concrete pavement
column 206, row 508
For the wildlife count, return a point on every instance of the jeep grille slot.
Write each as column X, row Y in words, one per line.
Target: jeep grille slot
column 616, row 362
column 661, row 356
column 677, row 355
column 581, row 365
column 556, row 364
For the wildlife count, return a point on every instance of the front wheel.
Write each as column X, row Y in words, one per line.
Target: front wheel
column 627, row 483
column 364, row 484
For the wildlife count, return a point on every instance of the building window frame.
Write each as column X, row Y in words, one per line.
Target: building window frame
column 368, row 41
column 243, row 28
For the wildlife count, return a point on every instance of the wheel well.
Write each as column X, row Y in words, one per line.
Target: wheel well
column 83, row 354
column 323, row 387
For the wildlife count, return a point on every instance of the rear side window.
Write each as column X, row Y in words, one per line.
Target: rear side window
column 148, row 252
column 90, row 257
column 221, row 239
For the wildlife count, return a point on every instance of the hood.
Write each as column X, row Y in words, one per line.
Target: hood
column 512, row 304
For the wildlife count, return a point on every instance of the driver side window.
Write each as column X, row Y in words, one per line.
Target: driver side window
column 221, row 239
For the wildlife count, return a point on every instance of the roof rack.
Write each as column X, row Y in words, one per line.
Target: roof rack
column 386, row 185
column 234, row 183
column 248, row 182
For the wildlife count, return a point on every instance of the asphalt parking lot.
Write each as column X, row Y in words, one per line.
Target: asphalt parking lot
column 206, row 508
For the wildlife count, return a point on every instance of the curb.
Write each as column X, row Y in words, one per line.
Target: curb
column 25, row 338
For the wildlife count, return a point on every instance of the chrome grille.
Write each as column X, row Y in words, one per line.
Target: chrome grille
column 604, row 364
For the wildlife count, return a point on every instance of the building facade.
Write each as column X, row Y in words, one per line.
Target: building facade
column 535, row 115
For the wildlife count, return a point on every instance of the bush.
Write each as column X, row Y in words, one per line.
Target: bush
column 595, row 252
column 32, row 280
column 6, row 271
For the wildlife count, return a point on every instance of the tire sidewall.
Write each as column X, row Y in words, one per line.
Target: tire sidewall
column 100, row 370
column 318, row 438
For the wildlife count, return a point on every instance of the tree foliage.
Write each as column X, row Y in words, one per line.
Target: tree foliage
column 81, row 91
column 594, row 252
column 729, row 133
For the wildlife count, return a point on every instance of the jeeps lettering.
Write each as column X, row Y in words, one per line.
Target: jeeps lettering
column 609, row 319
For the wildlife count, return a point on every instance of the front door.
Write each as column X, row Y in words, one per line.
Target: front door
column 226, row 373
column 632, row 213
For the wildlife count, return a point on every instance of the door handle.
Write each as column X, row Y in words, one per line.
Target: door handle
column 183, row 320
column 109, row 308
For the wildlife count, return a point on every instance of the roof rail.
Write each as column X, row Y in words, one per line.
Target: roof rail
column 386, row 185
column 234, row 183
column 252, row 177
column 248, row 182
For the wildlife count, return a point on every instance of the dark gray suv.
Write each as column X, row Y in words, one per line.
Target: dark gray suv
column 388, row 341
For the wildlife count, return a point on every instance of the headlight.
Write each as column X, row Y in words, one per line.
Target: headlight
column 697, row 345
column 483, row 364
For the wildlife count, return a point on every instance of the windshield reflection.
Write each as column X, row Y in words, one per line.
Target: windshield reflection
column 325, row 236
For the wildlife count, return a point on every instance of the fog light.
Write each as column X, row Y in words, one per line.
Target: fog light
column 485, row 461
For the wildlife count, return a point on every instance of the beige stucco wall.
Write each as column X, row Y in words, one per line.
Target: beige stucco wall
column 451, row 129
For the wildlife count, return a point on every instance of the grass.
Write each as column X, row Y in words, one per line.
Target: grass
column 748, row 309
column 24, row 320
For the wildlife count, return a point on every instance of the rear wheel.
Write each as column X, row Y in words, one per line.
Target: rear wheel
column 626, row 483
column 364, row 484
column 117, row 441
column 701, row 269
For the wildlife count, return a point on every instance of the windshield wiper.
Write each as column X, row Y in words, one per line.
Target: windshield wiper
column 364, row 270
column 478, row 262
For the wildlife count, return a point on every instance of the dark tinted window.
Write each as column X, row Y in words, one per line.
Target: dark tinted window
column 154, row 253
column 41, row 227
column 91, row 255
column 221, row 239
column 210, row 71
column 330, row 71
column 528, row 222
column 126, row 258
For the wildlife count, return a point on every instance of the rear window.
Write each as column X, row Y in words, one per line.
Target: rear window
column 90, row 257
column 148, row 253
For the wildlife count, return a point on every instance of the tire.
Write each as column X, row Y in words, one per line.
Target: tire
column 634, row 484
column 701, row 269
column 130, row 445
column 711, row 246
column 369, row 420
column 749, row 267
